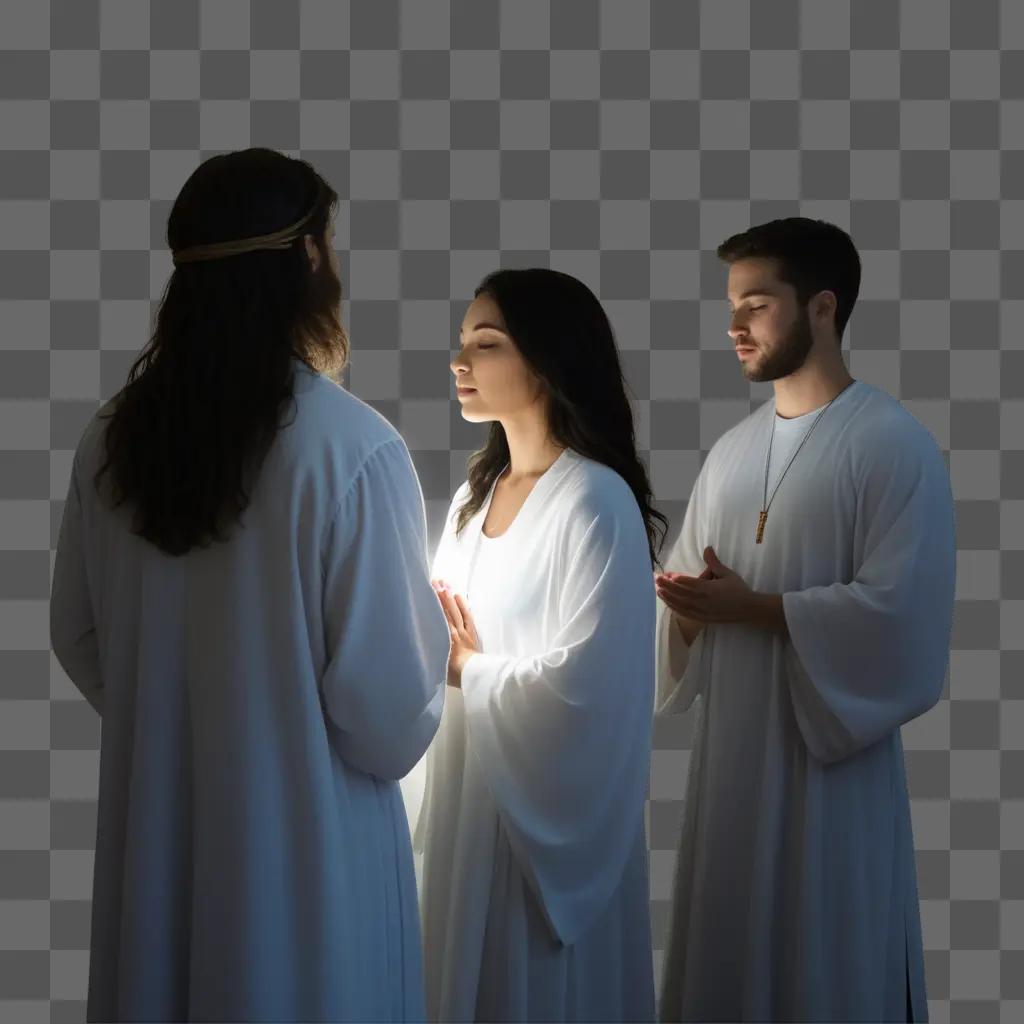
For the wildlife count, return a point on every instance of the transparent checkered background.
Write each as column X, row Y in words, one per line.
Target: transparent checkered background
column 619, row 141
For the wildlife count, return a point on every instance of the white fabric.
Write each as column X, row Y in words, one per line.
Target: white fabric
column 789, row 434
column 534, row 896
column 259, row 699
column 795, row 895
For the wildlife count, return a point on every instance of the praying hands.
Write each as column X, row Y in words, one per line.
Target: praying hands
column 461, row 628
column 719, row 595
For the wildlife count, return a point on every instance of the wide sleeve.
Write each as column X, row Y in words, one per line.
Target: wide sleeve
column 865, row 657
column 72, row 623
column 563, row 737
column 678, row 674
column 385, row 631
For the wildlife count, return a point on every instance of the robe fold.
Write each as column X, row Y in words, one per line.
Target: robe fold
column 535, row 881
column 795, row 894
column 260, row 698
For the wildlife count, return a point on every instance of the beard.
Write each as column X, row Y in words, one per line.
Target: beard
column 789, row 353
column 325, row 347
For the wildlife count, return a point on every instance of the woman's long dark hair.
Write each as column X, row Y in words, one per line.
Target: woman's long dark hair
column 564, row 336
column 187, row 435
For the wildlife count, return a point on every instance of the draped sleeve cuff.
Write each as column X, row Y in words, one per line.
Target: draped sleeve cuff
column 478, row 676
column 826, row 737
column 678, row 676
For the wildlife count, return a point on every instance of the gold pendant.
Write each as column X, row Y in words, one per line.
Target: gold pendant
column 762, row 518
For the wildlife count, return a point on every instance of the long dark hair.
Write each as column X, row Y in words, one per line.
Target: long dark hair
column 186, row 436
column 563, row 334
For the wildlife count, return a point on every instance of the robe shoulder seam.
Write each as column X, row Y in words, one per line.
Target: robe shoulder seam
column 336, row 507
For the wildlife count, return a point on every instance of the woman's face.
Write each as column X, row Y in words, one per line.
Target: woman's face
column 492, row 379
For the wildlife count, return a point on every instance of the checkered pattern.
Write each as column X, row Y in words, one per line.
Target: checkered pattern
column 619, row 141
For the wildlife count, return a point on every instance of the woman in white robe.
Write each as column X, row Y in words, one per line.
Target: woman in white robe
column 534, row 895
column 261, row 695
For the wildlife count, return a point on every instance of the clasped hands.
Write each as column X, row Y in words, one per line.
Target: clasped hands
column 718, row 594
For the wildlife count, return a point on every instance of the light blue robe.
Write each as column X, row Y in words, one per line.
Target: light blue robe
column 259, row 700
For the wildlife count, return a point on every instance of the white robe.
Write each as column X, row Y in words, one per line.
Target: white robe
column 534, row 896
column 795, row 893
column 259, row 700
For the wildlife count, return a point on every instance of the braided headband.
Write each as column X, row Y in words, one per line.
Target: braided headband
column 281, row 239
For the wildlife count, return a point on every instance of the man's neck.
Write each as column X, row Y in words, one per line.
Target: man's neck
column 809, row 388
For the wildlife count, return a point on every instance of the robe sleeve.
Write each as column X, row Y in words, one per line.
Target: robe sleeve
column 678, row 664
column 387, row 637
column 867, row 656
column 72, row 624
column 563, row 737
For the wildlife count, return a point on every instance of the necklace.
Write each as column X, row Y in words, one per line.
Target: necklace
column 766, row 502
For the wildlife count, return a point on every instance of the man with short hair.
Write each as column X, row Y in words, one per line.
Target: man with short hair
column 808, row 616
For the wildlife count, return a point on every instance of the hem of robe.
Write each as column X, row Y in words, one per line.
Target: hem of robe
column 451, row 995
column 917, row 992
column 634, row 1001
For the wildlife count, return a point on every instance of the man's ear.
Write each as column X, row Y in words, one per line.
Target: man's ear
column 825, row 304
column 312, row 252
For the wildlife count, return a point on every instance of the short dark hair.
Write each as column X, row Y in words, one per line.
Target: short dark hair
column 811, row 255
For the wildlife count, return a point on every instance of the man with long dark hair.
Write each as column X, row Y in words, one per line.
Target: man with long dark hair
column 808, row 616
column 241, row 591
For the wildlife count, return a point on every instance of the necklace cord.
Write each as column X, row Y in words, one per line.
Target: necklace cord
column 765, row 500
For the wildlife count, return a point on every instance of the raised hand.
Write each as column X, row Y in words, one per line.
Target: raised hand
column 461, row 628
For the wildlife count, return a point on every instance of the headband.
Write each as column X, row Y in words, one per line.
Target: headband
column 281, row 239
